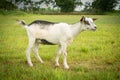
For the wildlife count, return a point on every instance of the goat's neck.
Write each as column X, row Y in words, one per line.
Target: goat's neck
column 76, row 29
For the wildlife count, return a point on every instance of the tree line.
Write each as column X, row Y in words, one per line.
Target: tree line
column 62, row 5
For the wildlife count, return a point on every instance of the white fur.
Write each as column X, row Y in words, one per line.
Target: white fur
column 60, row 33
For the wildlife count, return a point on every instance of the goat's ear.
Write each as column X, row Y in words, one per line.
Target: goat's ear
column 82, row 19
column 94, row 19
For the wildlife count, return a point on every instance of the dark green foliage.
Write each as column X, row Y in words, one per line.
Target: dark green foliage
column 68, row 5
column 6, row 5
column 104, row 5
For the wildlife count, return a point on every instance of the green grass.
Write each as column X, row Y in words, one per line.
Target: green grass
column 92, row 55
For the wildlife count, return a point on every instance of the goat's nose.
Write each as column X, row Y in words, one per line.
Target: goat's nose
column 95, row 27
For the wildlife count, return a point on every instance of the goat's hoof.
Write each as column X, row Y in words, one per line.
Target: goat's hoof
column 57, row 65
column 42, row 62
column 66, row 67
column 31, row 65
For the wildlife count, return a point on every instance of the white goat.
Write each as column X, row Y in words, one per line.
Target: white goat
column 62, row 34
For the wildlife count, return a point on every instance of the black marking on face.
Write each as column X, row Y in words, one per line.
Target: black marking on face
column 41, row 22
column 23, row 23
column 82, row 19
column 87, row 22
column 45, row 42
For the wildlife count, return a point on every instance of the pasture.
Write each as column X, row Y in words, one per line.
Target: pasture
column 92, row 55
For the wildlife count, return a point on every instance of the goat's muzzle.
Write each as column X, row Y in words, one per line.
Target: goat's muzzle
column 94, row 29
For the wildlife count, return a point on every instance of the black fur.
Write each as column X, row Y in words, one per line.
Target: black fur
column 45, row 42
column 41, row 22
column 23, row 23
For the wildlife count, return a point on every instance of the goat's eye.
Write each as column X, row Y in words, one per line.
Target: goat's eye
column 86, row 22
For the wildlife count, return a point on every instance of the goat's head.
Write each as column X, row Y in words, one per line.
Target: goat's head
column 88, row 23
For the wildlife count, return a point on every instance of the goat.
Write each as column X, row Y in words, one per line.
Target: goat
column 49, row 33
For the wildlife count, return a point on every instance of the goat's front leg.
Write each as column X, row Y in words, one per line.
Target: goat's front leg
column 28, row 51
column 64, row 47
column 57, row 56
column 36, row 45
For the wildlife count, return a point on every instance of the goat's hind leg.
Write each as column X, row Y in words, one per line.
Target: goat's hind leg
column 57, row 57
column 28, row 51
column 36, row 45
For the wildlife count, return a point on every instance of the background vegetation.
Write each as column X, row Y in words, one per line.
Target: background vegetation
column 58, row 6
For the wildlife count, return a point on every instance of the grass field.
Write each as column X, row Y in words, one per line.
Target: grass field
column 92, row 55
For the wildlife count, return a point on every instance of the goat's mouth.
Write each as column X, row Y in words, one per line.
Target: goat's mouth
column 94, row 29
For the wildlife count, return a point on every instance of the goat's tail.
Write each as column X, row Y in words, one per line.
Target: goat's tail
column 22, row 22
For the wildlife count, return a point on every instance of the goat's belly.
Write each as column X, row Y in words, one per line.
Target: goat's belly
column 45, row 42
column 52, row 40
column 48, row 39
